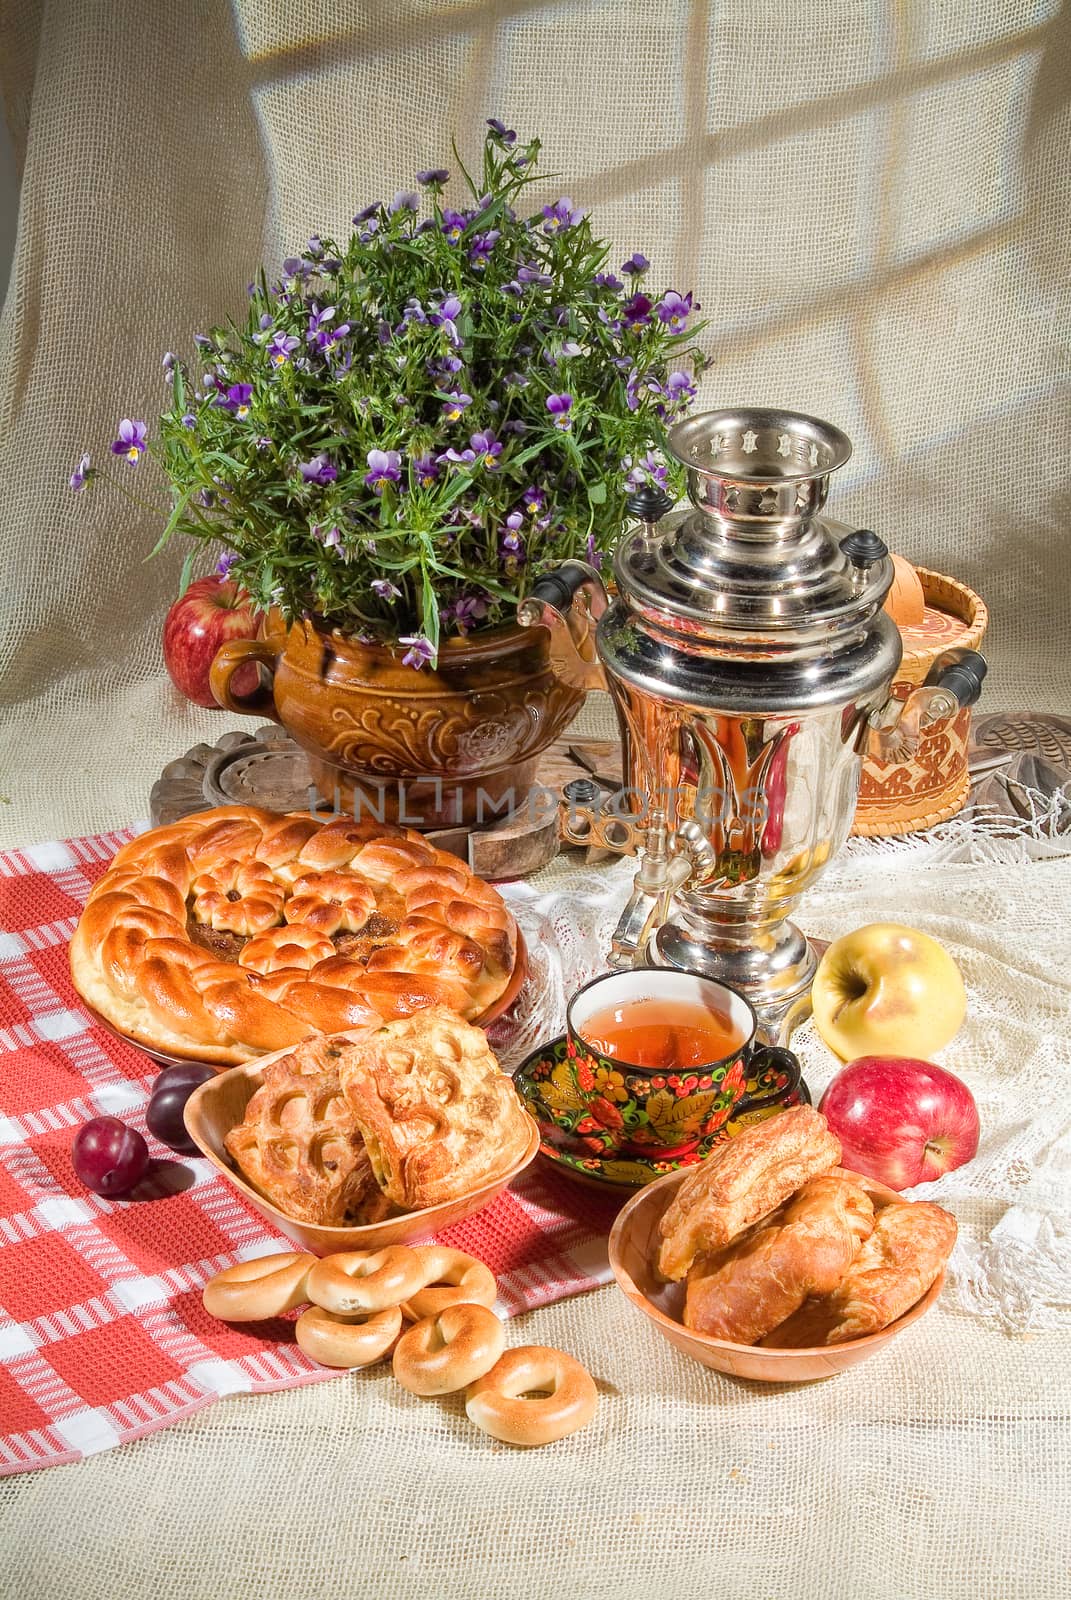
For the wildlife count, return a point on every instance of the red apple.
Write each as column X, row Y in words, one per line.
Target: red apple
column 211, row 611
column 901, row 1121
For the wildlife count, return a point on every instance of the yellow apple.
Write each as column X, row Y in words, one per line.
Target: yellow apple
column 885, row 990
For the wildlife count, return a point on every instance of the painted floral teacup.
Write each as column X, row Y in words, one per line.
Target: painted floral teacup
column 653, row 1065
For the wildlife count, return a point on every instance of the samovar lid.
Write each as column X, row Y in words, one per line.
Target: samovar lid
column 753, row 561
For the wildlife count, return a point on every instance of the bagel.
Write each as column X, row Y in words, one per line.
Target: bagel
column 353, row 1281
column 564, row 1396
column 253, row 1291
column 353, row 1341
column 447, row 1352
column 450, row 1278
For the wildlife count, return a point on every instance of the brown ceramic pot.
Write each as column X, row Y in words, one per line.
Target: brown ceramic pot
column 399, row 744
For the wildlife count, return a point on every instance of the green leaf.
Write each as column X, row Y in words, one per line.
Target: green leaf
column 597, row 493
column 172, row 522
column 187, row 568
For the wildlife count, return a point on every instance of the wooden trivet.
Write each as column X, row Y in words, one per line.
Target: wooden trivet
column 267, row 768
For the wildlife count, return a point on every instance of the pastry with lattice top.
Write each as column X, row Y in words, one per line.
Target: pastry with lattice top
column 437, row 1115
column 237, row 932
column 299, row 1145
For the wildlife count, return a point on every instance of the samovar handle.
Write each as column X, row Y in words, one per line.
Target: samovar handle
column 953, row 682
column 569, row 602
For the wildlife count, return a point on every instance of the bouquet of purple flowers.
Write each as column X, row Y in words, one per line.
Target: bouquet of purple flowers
column 410, row 428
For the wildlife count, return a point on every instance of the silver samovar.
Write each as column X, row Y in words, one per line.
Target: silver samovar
column 750, row 663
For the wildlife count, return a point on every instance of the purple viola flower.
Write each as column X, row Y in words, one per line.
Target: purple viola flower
column 445, row 316
column 606, row 280
column 561, row 215
column 559, row 406
column 594, row 556
column 404, row 200
column 412, row 311
column 384, row 466
column 650, row 469
column 131, row 441
column 531, row 273
column 481, row 247
column 369, row 230
column 516, row 426
column 384, row 589
column 319, row 470
column 226, row 561
column 457, row 403
column 236, row 400
column 454, row 224
column 170, row 362
column 433, row 178
column 503, row 134
column 443, row 366
column 189, row 420
column 511, row 542
column 674, row 310
column 262, row 442
column 465, row 613
column 426, row 469
column 366, row 215
column 319, row 319
column 679, row 388
column 202, row 341
column 460, row 458
column 332, row 539
column 635, row 265
column 637, row 311
column 515, row 380
column 281, row 348
column 486, row 445
column 419, row 651
column 80, row 475
column 534, row 501
column 513, row 288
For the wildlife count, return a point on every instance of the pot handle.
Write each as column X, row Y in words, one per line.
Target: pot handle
column 229, row 658
column 777, row 1063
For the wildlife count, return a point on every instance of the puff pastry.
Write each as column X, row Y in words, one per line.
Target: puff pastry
column 910, row 1244
column 743, row 1181
column 437, row 1116
column 299, row 1145
column 238, row 931
column 751, row 1286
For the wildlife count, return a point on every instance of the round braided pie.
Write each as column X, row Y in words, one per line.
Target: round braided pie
column 239, row 931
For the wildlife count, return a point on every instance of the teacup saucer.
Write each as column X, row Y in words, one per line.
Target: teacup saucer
column 776, row 1092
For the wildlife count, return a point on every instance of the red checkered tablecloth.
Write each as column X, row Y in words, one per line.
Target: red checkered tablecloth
column 103, row 1337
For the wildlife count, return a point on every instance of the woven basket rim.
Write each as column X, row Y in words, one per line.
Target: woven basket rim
column 959, row 600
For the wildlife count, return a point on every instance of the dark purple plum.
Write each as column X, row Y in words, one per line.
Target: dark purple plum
column 108, row 1157
column 170, row 1092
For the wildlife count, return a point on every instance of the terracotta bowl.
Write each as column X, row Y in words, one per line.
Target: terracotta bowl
column 496, row 1009
column 218, row 1105
column 633, row 1251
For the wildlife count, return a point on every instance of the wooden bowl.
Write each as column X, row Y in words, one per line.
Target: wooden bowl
column 217, row 1106
column 634, row 1244
column 496, row 1009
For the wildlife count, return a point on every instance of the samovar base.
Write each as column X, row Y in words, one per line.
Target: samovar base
column 775, row 976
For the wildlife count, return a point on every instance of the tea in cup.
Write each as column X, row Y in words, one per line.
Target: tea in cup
column 653, row 1065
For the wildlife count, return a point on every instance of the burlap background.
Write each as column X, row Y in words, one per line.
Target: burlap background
column 872, row 202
